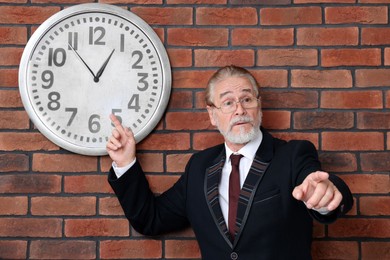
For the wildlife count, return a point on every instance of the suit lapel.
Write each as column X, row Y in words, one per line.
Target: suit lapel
column 247, row 193
column 212, row 179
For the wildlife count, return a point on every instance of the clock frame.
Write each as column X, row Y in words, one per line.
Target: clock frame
column 89, row 61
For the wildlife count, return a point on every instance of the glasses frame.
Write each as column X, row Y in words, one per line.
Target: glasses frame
column 236, row 104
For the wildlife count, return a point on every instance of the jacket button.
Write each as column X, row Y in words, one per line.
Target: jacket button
column 234, row 256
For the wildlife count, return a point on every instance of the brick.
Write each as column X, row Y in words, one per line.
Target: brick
column 182, row 249
column 276, row 119
column 367, row 183
column 356, row 14
column 376, row 250
column 323, row 120
column 13, row 249
column 271, row 78
column 63, row 163
column 13, row 35
column 338, row 162
column 260, row 2
column 26, row 15
column 374, row 206
column 321, row 78
column 30, row 227
column 158, row 184
column 351, row 99
column 105, row 163
column 289, row 99
column 367, row 227
column 200, row 100
column 219, row 58
column 318, row 230
column 144, row 2
column 226, row 16
column 196, row 2
column 180, row 57
column 14, row 163
column 197, row 37
column 288, row 136
column 352, row 141
column 12, row 141
column 375, row 36
column 350, row 57
column 324, row 1
column 30, row 183
column 180, row 100
column 208, row 139
column 177, row 162
column 387, row 56
column 165, row 15
column 373, row 120
column 191, row 78
column 372, row 77
column 10, row 98
column 287, row 57
column 291, row 15
column 166, row 142
column 8, row 77
column 16, row 205
column 96, row 227
column 64, row 206
column 14, row 120
column 375, row 162
column 126, row 249
column 388, row 99
column 335, row 250
column 262, row 37
column 151, row 162
column 327, row 36
column 60, row 249
column 87, row 184
column 185, row 121
column 110, row 206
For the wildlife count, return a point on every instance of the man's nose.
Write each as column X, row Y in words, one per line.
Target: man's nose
column 240, row 110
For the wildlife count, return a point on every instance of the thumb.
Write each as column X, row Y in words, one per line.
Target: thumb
column 298, row 192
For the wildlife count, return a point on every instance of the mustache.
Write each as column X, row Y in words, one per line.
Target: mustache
column 240, row 119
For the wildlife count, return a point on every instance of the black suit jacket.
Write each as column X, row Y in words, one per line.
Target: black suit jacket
column 271, row 223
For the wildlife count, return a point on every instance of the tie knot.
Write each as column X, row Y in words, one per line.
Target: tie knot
column 235, row 159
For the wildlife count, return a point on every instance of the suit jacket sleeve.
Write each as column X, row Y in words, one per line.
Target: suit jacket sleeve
column 306, row 162
column 147, row 213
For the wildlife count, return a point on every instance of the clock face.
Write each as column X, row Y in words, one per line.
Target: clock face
column 90, row 61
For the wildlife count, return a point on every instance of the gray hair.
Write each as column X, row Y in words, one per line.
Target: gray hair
column 226, row 72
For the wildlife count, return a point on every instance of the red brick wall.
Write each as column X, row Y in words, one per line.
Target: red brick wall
column 323, row 67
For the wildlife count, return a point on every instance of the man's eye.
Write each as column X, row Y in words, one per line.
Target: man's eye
column 227, row 103
column 247, row 100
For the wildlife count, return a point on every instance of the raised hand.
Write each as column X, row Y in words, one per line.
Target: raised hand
column 317, row 191
column 100, row 72
column 86, row 65
column 121, row 144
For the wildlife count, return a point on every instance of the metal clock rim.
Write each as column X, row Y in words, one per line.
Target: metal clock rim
column 80, row 9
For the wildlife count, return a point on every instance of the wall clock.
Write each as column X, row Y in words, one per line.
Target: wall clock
column 86, row 62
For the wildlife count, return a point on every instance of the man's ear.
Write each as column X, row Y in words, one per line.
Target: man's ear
column 211, row 115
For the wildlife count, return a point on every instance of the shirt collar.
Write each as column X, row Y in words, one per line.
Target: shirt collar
column 249, row 150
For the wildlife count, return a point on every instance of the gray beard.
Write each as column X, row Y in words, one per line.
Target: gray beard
column 242, row 137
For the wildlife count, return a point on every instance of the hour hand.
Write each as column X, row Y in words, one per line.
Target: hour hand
column 86, row 65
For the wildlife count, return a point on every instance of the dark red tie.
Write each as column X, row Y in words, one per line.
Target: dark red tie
column 234, row 192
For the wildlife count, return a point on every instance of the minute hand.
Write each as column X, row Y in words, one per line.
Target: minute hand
column 86, row 65
column 100, row 72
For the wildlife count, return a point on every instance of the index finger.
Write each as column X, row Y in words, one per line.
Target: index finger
column 117, row 123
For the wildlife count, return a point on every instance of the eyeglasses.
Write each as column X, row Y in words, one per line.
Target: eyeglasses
column 230, row 105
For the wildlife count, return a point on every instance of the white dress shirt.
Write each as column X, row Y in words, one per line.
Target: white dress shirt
column 248, row 152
